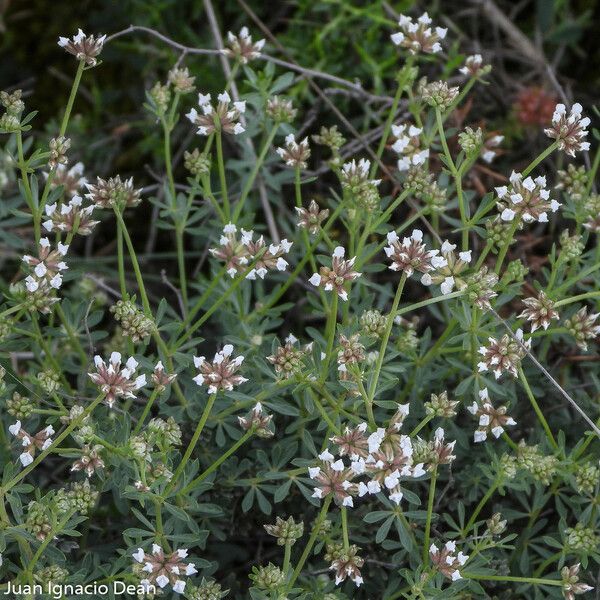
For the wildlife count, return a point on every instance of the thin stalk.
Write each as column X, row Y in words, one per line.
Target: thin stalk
column 310, row 544
column 215, row 465
column 136, row 266
column 71, row 100
column 532, row 580
column 480, row 506
column 385, row 338
column 537, row 409
column 429, row 515
column 146, row 412
column 536, row 161
column 222, row 178
column 594, row 294
column 420, row 426
column 330, row 335
column 121, row 259
column 345, row 536
column 257, row 165
column 191, row 445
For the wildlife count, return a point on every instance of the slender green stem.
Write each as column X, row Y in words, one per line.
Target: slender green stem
column 532, row 580
column 332, row 426
column 136, row 266
column 71, row 334
column 594, row 294
column 547, row 563
column 480, row 506
column 420, row 426
column 287, row 554
column 252, row 177
column 290, row 280
column 121, row 259
column 536, row 161
column 222, row 178
column 215, row 465
column 385, row 338
column 537, row 409
column 330, row 335
column 236, row 283
column 145, row 412
column 71, row 100
column 191, row 445
column 430, row 499
column 31, row 203
column 345, row 536
column 390, row 119
column 311, row 542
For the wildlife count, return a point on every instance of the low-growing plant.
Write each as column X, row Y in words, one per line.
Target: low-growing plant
column 398, row 393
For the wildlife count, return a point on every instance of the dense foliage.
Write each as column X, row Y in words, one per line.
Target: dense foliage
column 289, row 335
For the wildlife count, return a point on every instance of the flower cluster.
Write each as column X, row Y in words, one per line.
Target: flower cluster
column 336, row 277
column 569, row 130
column 525, row 199
column 411, row 254
column 41, row 441
column 295, row 154
column 241, row 47
column 164, row 569
column 446, row 561
column 224, row 117
column 70, row 217
column 408, row 146
column 220, row 374
column 448, row 269
column 83, row 47
column 417, row 36
column 116, row 382
column 491, row 419
column 113, row 193
column 47, row 267
column 239, row 254
column 312, row 218
column 503, row 355
column 377, row 462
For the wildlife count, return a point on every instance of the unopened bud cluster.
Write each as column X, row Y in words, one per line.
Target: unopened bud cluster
column 135, row 324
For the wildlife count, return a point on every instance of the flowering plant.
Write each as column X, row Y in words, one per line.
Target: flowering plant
column 401, row 400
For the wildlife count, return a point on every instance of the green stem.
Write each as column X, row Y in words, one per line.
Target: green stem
column 69, row 108
column 146, row 412
column 504, row 249
column 236, row 283
column 345, row 536
column 420, row 426
column 385, row 338
column 310, row 544
column 191, row 445
column 121, row 259
column 594, row 294
column 51, row 536
column 222, row 178
column 390, row 119
column 532, row 580
column 480, row 506
column 536, row 408
column 136, row 266
column 215, row 465
column 330, row 335
column 536, row 161
column 257, row 165
column 429, row 515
